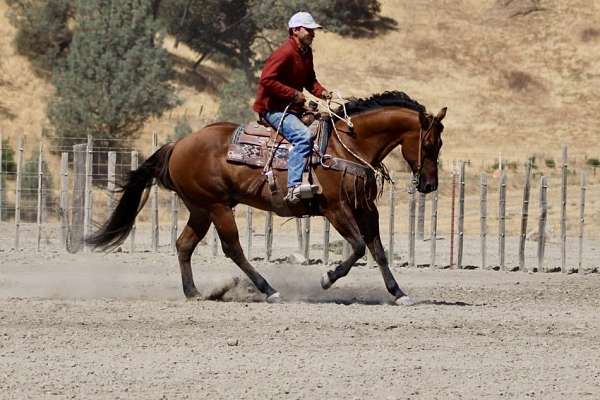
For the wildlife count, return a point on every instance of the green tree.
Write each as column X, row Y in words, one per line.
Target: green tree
column 43, row 33
column 241, row 33
column 182, row 128
column 115, row 76
column 235, row 99
column 9, row 165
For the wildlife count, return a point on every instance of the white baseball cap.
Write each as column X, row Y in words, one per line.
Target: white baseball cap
column 304, row 19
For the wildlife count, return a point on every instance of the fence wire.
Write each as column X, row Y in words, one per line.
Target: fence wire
column 51, row 202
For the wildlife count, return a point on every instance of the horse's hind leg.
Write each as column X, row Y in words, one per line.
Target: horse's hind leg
column 193, row 232
column 222, row 217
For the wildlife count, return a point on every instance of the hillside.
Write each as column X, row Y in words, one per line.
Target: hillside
column 516, row 84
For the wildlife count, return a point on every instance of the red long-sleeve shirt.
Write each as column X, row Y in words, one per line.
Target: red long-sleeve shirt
column 286, row 72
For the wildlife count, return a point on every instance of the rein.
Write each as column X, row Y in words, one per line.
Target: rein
column 422, row 136
column 380, row 171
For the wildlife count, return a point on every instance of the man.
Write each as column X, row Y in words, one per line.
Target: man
column 286, row 73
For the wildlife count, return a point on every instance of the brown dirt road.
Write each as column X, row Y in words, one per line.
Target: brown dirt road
column 117, row 326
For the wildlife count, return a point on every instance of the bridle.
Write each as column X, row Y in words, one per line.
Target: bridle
column 422, row 137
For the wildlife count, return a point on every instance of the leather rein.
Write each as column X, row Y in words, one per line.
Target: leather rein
column 422, row 135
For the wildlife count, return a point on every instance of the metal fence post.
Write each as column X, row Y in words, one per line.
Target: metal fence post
column 18, row 192
column 461, row 216
column 483, row 218
column 563, row 212
column 581, row 219
column 524, row 216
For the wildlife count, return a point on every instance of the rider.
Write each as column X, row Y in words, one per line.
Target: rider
column 286, row 73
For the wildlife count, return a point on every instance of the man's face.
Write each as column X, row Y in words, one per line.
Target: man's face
column 305, row 36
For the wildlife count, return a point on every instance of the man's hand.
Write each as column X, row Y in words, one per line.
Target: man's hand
column 299, row 98
column 326, row 94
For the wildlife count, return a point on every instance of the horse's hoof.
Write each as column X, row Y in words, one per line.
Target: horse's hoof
column 404, row 301
column 193, row 294
column 325, row 281
column 274, row 298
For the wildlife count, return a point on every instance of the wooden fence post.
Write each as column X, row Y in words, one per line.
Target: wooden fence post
column 154, row 202
column 18, row 191
column 411, row 223
column 542, row 223
column 483, row 218
column 134, row 166
column 326, row 229
column 433, row 236
column 421, row 216
column 452, row 217
column 75, row 238
column 299, row 233
column 306, row 238
column 110, row 182
column 64, row 198
column 249, row 232
column 524, row 216
column 87, row 199
column 1, row 179
column 174, row 212
column 581, row 219
column 346, row 250
column 563, row 212
column 391, row 225
column 502, row 222
column 461, row 216
column 269, row 235
column 39, row 196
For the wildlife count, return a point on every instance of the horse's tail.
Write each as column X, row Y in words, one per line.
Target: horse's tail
column 115, row 230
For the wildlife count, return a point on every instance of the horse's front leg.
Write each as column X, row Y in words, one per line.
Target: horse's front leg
column 344, row 222
column 368, row 221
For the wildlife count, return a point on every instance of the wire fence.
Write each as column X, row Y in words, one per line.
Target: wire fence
column 51, row 197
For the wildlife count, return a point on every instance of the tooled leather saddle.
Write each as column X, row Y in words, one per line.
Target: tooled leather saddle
column 258, row 144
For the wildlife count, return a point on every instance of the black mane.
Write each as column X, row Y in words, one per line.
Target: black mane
column 393, row 98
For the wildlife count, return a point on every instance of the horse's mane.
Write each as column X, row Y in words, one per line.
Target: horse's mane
column 388, row 98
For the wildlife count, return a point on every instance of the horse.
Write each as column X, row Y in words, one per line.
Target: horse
column 196, row 168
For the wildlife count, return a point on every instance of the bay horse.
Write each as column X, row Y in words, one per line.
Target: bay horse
column 196, row 168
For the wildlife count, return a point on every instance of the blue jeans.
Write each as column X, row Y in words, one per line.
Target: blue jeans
column 298, row 135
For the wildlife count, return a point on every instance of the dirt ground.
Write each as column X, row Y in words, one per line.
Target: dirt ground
column 114, row 326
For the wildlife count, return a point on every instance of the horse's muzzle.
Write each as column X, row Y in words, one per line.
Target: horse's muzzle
column 426, row 187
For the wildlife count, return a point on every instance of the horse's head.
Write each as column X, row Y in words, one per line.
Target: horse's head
column 421, row 151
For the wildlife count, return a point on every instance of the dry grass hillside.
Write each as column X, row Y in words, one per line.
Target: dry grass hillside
column 514, row 82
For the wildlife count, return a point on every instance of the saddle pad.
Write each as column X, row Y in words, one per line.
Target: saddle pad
column 257, row 156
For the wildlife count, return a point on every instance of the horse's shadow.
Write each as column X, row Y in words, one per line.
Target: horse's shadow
column 382, row 301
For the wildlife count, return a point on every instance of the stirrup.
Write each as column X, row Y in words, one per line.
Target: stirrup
column 307, row 190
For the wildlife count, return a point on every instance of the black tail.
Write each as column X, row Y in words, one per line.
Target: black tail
column 115, row 230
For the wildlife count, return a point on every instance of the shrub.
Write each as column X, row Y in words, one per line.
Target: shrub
column 236, row 96
column 593, row 162
column 9, row 165
column 43, row 34
column 182, row 128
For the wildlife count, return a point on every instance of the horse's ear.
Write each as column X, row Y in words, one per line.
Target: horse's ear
column 440, row 116
column 423, row 120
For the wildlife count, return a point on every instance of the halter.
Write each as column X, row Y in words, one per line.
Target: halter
column 422, row 136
